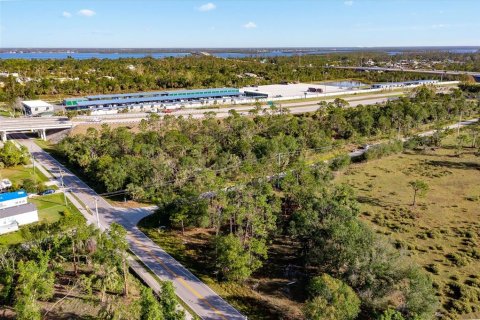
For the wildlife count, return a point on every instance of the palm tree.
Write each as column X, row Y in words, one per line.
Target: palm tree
column 108, row 278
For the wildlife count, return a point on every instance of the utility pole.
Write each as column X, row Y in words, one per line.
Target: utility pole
column 32, row 158
column 96, row 211
column 63, row 187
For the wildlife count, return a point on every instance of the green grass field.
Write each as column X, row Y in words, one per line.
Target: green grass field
column 50, row 208
column 18, row 173
column 442, row 232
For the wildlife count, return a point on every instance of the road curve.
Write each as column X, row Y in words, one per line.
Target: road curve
column 198, row 296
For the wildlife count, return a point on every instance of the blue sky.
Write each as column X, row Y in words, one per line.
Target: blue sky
column 229, row 23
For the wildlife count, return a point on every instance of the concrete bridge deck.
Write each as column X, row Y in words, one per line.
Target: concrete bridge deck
column 40, row 125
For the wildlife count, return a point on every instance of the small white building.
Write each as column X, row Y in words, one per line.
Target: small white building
column 37, row 107
column 13, row 217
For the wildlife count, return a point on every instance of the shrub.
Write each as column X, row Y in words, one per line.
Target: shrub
column 30, row 186
column 391, row 314
column 457, row 259
column 340, row 162
column 332, row 299
column 433, row 268
column 383, row 149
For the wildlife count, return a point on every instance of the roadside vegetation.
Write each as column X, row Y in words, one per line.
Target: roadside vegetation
column 16, row 165
column 171, row 156
column 252, row 216
column 60, row 266
column 67, row 268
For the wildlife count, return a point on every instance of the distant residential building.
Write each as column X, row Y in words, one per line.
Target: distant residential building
column 37, row 107
column 15, row 211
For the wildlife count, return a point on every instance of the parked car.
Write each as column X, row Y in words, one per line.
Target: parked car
column 5, row 184
column 48, row 191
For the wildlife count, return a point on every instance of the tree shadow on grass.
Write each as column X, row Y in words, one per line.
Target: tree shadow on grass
column 464, row 165
column 45, row 201
column 53, row 315
column 376, row 202
column 259, row 309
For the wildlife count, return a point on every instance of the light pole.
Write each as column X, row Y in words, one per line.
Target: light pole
column 96, row 211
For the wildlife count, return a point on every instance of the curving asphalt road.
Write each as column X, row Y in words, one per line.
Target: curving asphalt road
column 198, row 296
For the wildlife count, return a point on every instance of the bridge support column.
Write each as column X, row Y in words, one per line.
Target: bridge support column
column 42, row 134
column 3, row 135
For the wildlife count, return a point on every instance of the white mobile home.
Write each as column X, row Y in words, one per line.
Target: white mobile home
column 13, row 217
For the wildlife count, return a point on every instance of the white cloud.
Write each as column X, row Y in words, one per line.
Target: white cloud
column 66, row 14
column 250, row 25
column 348, row 3
column 86, row 13
column 207, row 7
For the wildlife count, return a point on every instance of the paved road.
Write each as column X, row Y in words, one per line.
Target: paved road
column 294, row 108
column 451, row 72
column 29, row 123
column 198, row 296
column 359, row 152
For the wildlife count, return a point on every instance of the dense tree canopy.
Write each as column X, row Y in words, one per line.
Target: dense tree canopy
column 71, row 77
column 11, row 156
column 199, row 155
column 251, row 179
column 29, row 272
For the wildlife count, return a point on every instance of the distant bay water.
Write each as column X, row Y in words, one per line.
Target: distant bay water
column 156, row 55
column 44, row 55
column 85, row 55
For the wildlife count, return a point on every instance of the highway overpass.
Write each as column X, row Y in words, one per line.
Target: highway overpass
column 475, row 75
column 39, row 125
